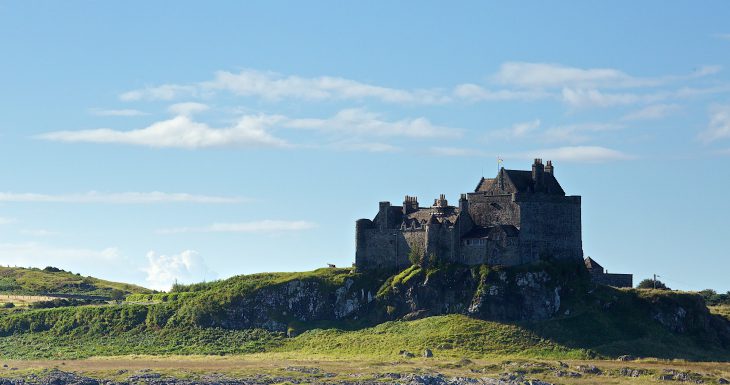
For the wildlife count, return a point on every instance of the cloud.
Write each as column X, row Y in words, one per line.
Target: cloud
column 181, row 132
column 187, row 109
column 163, row 92
column 6, row 221
column 264, row 226
column 117, row 198
column 274, row 86
column 655, row 111
column 549, row 75
column 583, row 98
column 534, row 131
column 719, row 126
column 577, row 154
column 363, row 123
column 456, row 151
column 123, row 112
column 187, row 267
column 473, row 93
column 723, row 36
column 348, row 129
column 40, row 255
column 38, row 232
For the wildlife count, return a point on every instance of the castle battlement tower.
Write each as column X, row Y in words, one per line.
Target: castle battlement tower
column 515, row 218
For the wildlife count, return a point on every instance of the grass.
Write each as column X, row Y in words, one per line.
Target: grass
column 721, row 310
column 32, row 281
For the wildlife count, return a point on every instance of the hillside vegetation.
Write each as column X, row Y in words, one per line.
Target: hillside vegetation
column 342, row 313
column 33, row 281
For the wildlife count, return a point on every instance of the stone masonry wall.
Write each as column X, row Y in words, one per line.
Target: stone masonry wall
column 550, row 227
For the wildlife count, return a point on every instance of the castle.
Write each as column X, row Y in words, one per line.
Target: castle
column 515, row 218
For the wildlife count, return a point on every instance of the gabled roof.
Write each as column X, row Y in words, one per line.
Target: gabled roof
column 592, row 264
column 518, row 181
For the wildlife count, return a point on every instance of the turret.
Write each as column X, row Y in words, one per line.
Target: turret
column 384, row 215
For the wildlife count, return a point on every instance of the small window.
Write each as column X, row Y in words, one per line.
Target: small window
column 496, row 205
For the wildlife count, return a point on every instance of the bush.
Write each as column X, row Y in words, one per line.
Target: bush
column 8, row 305
column 649, row 284
column 51, row 269
column 416, row 256
column 712, row 298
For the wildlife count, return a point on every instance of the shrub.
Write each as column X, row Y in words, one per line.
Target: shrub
column 8, row 305
column 650, row 284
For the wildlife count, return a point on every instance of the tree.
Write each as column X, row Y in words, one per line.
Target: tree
column 650, row 284
column 416, row 255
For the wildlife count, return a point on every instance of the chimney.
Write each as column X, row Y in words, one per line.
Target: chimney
column 549, row 167
column 410, row 204
column 538, row 176
column 463, row 204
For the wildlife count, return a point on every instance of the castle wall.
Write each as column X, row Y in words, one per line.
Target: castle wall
column 615, row 280
column 550, row 227
column 388, row 249
column 489, row 210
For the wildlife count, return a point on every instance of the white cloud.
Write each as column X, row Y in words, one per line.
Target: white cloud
column 39, row 255
column 583, row 98
column 163, row 92
column 117, row 198
column 354, row 145
column 181, row 132
column 6, row 221
column 654, row 111
column 123, row 112
column 577, row 154
column 456, row 151
column 187, row 267
column 363, row 123
column 534, row 131
column 264, row 226
column 548, row 75
column 274, row 86
column 187, row 109
column 38, row 232
column 719, row 126
column 473, row 93
column 724, row 36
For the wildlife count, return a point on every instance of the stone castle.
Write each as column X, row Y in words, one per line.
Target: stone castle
column 515, row 218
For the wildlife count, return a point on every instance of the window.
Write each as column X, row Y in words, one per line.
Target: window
column 496, row 205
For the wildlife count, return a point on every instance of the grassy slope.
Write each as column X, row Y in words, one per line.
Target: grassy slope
column 17, row 280
column 144, row 329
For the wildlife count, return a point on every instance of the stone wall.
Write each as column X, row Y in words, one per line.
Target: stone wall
column 550, row 226
column 615, row 280
column 489, row 210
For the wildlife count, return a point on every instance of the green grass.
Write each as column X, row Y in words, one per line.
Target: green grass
column 448, row 336
column 32, row 281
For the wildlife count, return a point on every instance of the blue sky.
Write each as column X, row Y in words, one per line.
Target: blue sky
column 152, row 141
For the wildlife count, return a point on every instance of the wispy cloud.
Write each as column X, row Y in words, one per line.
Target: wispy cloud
column 723, row 36
column 476, row 93
column 117, row 198
column 30, row 253
column 188, row 108
column 655, row 111
column 457, row 151
column 348, row 129
column 577, row 154
column 181, row 132
column 550, row 75
column 274, row 86
column 121, row 112
column 534, row 131
column 719, row 126
column 38, row 232
column 264, row 226
column 363, row 123
column 6, row 221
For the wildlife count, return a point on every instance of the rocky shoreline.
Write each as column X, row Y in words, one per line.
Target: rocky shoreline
column 58, row 377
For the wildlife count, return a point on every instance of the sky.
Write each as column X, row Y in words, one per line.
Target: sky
column 150, row 142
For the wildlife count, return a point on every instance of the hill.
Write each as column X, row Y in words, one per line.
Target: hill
column 51, row 280
column 543, row 310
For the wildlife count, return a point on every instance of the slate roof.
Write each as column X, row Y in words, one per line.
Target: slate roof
column 519, row 181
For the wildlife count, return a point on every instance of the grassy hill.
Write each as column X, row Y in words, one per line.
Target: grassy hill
column 33, row 281
column 601, row 322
